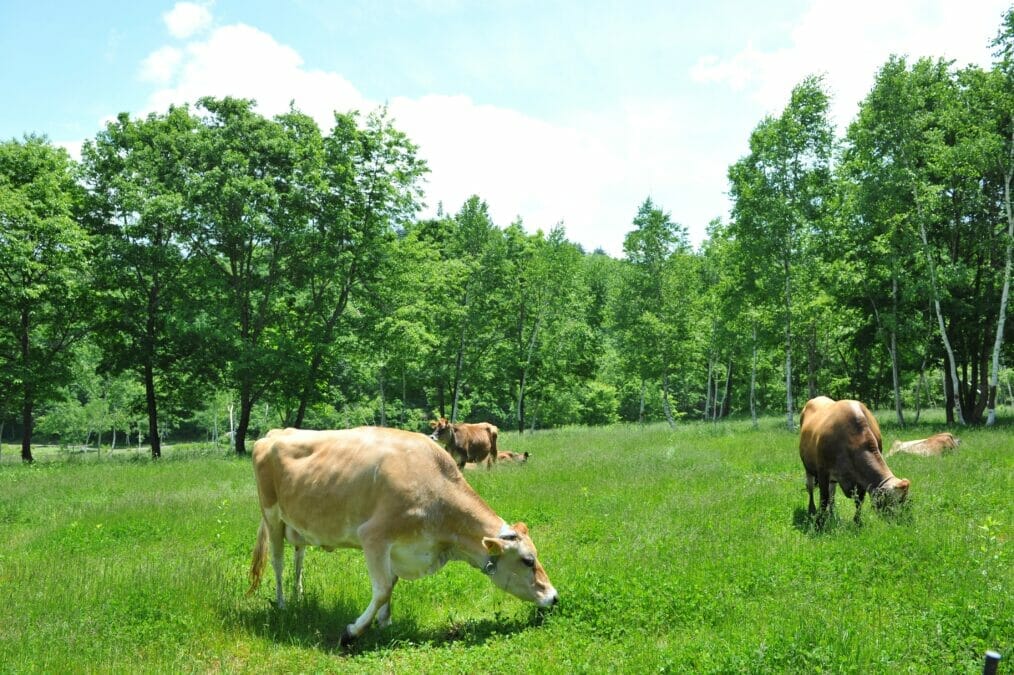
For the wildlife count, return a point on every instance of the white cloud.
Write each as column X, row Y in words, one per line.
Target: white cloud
column 520, row 165
column 186, row 19
column 850, row 41
column 161, row 65
column 245, row 62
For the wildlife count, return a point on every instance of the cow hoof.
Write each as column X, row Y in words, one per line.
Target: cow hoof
column 346, row 638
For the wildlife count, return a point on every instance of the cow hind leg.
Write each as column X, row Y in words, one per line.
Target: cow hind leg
column 299, row 544
column 809, row 488
column 276, row 537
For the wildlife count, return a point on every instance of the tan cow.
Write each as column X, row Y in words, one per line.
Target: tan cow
column 467, row 442
column 507, row 456
column 394, row 494
column 934, row 446
column 839, row 442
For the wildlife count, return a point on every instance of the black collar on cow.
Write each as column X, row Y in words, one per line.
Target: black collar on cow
column 879, row 485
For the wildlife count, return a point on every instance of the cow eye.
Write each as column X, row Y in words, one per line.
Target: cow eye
column 528, row 560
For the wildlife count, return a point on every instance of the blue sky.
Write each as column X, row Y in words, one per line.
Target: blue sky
column 569, row 112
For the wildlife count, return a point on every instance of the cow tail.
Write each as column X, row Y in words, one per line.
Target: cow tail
column 259, row 556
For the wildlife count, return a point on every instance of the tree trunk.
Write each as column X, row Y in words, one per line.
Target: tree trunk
column 458, row 364
column 640, row 412
column 245, row 409
column 26, row 423
column 753, row 380
column 994, row 375
column 665, row 401
column 790, row 421
column 940, row 320
column 152, row 406
column 404, row 397
column 521, row 401
column 811, row 362
column 707, row 389
column 27, row 401
column 383, row 406
column 726, row 396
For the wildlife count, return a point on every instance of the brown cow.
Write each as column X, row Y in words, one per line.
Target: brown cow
column 507, row 456
column 839, row 442
column 394, row 494
column 934, row 446
column 467, row 442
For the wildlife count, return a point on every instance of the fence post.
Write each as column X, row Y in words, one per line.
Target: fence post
column 992, row 661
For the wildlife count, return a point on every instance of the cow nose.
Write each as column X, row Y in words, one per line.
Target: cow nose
column 556, row 599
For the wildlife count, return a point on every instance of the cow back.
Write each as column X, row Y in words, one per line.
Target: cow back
column 844, row 439
column 328, row 483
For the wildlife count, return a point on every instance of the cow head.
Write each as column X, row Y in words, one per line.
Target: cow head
column 892, row 493
column 514, row 567
column 441, row 430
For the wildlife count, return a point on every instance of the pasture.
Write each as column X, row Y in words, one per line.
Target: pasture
column 672, row 550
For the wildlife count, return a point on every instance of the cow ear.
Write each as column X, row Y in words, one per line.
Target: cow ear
column 521, row 528
column 433, row 424
column 493, row 545
column 526, row 454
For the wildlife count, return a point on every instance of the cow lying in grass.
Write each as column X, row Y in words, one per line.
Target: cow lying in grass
column 934, row 446
column 394, row 494
column 467, row 442
column 507, row 456
column 839, row 442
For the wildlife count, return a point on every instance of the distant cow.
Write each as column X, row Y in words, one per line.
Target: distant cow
column 467, row 442
column 394, row 494
column 839, row 442
column 507, row 456
column 934, row 446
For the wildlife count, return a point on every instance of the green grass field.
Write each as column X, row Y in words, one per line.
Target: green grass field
column 672, row 551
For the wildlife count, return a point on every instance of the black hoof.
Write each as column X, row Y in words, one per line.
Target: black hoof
column 347, row 638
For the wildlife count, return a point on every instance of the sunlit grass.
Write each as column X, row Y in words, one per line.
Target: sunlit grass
column 672, row 550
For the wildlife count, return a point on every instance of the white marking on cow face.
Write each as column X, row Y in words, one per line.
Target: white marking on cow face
column 515, row 568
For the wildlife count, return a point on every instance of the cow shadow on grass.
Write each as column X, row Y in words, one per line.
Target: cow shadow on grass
column 307, row 623
column 833, row 522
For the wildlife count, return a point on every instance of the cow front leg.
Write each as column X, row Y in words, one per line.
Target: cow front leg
column 825, row 485
column 384, row 614
column 378, row 564
column 859, row 495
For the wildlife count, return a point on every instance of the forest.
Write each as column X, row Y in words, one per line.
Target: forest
column 208, row 272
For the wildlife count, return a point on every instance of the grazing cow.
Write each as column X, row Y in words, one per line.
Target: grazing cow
column 934, row 446
column 839, row 442
column 467, row 442
column 394, row 494
column 507, row 456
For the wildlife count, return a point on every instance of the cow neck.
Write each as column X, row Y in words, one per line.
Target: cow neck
column 475, row 522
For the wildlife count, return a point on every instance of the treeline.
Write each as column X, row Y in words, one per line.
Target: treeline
column 209, row 270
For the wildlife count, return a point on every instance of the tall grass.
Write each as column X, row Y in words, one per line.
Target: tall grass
column 672, row 550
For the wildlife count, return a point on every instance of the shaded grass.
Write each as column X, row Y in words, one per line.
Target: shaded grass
column 672, row 550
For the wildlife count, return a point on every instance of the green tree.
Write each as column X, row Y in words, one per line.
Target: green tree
column 781, row 192
column 44, row 273
column 650, row 309
column 250, row 219
column 150, row 320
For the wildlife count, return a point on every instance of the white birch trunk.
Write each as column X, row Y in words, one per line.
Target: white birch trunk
column 994, row 375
